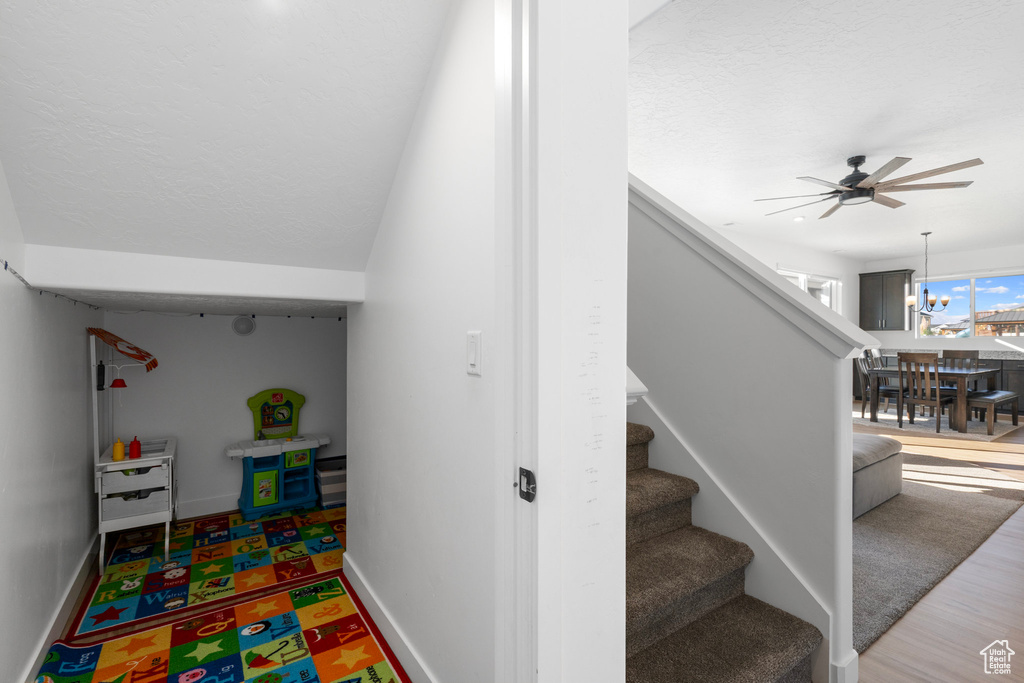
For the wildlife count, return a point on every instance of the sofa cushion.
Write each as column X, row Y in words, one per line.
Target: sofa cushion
column 870, row 448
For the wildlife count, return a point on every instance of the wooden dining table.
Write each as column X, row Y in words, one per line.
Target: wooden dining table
column 962, row 376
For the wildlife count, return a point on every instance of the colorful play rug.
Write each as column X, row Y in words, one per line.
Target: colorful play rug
column 316, row 633
column 212, row 560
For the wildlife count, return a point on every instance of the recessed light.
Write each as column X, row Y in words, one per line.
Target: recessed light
column 798, row 219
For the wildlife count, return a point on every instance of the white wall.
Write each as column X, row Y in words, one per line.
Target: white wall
column 205, row 374
column 46, row 494
column 778, row 255
column 70, row 269
column 427, row 469
column 12, row 241
column 581, row 293
column 1005, row 260
column 421, row 447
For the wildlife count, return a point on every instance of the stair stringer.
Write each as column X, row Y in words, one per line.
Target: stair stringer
column 770, row 577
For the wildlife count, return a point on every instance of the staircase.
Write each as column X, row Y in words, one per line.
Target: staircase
column 687, row 616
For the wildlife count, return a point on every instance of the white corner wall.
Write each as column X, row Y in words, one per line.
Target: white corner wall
column 421, row 449
column 581, row 264
column 46, row 493
column 428, row 472
column 205, row 374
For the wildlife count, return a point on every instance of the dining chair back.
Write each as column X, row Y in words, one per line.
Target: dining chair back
column 885, row 390
column 919, row 386
column 959, row 359
column 885, row 385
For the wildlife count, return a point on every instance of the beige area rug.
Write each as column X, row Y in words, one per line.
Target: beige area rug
column 905, row 546
column 925, row 426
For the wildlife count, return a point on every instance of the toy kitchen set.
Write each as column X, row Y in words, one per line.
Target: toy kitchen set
column 134, row 481
column 277, row 466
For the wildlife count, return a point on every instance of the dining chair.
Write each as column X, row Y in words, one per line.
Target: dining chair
column 874, row 357
column 960, row 359
column 886, row 390
column 919, row 386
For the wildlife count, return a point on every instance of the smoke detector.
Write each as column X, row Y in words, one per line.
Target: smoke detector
column 243, row 326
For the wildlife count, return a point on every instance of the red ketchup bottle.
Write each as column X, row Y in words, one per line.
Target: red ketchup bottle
column 135, row 449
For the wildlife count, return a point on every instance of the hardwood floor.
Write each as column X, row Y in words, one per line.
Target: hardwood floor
column 982, row 600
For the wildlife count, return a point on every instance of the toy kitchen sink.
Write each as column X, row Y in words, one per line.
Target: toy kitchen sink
column 277, row 472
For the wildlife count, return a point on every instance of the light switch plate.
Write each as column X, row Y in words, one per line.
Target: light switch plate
column 474, row 353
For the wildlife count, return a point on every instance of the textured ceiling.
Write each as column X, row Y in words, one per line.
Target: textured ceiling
column 730, row 101
column 261, row 131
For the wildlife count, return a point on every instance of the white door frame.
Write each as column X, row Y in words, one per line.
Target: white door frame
column 516, row 400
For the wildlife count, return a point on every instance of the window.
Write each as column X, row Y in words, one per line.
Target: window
column 824, row 289
column 978, row 306
column 999, row 306
column 952, row 321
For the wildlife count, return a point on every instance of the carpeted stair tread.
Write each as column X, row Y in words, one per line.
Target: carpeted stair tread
column 648, row 489
column 743, row 641
column 637, row 434
column 637, row 438
column 669, row 573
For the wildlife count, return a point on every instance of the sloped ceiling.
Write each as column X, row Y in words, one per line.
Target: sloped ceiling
column 731, row 101
column 259, row 131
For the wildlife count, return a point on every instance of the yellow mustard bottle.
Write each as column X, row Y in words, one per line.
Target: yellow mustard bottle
column 118, row 450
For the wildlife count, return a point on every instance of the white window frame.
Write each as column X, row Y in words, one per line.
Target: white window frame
column 803, row 277
column 971, row 277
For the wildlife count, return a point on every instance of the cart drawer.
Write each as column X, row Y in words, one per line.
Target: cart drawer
column 116, row 507
column 333, row 477
column 331, row 489
column 118, row 480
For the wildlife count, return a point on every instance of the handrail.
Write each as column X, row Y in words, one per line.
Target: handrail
column 635, row 389
column 828, row 328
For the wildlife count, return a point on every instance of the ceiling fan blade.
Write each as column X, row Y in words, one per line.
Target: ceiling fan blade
column 831, row 211
column 798, row 196
column 887, row 201
column 934, row 172
column 834, row 186
column 923, row 186
column 882, row 172
column 825, row 199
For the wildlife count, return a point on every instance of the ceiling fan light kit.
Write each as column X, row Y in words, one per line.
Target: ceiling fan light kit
column 857, row 196
column 861, row 188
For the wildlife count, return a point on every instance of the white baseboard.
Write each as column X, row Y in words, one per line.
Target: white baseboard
column 847, row 671
column 412, row 664
column 207, row 506
column 65, row 607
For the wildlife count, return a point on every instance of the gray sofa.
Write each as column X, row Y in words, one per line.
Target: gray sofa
column 877, row 471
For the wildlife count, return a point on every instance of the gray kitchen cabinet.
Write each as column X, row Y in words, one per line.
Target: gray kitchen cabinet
column 883, row 300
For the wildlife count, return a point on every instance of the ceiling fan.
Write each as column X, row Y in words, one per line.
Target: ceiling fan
column 860, row 187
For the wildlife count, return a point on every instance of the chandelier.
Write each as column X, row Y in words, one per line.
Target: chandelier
column 927, row 300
